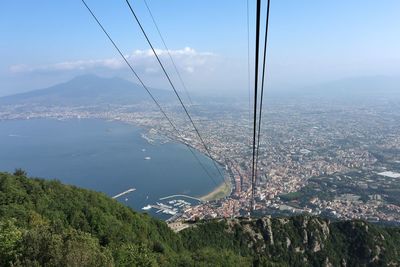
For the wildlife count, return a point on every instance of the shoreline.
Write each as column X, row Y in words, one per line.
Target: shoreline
column 221, row 191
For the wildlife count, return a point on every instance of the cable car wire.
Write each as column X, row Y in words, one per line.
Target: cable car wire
column 147, row 90
column 262, row 85
column 169, row 54
column 248, row 67
column 258, row 11
column 175, row 91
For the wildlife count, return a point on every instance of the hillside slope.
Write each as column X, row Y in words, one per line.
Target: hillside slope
column 46, row 223
column 87, row 90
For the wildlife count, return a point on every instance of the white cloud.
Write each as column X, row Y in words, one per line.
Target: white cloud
column 189, row 69
column 144, row 60
column 200, row 71
column 19, row 68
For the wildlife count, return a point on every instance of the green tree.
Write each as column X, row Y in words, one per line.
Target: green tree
column 10, row 241
column 20, row 172
column 81, row 249
column 135, row 255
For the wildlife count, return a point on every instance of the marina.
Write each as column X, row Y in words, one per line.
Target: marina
column 173, row 207
column 148, row 207
column 173, row 196
column 165, row 209
column 107, row 156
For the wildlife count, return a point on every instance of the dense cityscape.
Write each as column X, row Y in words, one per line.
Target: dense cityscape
column 334, row 159
column 200, row 133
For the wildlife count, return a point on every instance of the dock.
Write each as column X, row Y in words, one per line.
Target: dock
column 173, row 196
column 164, row 209
column 124, row 193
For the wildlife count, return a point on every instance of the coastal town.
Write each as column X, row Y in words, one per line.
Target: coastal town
column 319, row 158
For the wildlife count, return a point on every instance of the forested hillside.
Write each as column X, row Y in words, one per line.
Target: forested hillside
column 46, row 223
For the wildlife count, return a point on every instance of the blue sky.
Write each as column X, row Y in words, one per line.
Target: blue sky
column 45, row 42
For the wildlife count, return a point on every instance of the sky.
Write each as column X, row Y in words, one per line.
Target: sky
column 45, row 42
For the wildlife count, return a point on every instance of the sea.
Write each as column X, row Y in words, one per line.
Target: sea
column 105, row 156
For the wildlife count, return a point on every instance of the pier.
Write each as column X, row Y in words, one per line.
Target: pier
column 124, row 193
column 165, row 209
column 163, row 198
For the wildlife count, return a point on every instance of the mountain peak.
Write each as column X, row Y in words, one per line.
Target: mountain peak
column 87, row 77
column 88, row 89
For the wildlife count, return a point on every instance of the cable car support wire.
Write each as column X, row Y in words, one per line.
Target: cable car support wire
column 176, row 93
column 148, row 91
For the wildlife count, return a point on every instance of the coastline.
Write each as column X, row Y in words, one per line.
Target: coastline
column 221, row 191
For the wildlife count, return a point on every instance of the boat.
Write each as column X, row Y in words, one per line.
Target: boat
column 147, row 158
column 170, row 212
column 164, row 206
column 146, row 207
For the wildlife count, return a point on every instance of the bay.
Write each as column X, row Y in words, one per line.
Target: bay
column 103, row 156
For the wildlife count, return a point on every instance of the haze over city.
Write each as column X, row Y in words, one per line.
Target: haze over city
column 311, row 42
column 200, row 133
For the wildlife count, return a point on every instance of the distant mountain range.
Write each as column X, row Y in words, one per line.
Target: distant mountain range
column 88, row 90
column 360, row 86
column 95, row 90
column 367, row 87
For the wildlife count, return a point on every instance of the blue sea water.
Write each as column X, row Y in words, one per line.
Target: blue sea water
column 104, row 156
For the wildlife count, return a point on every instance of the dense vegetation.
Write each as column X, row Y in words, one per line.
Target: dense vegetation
column 46, row 223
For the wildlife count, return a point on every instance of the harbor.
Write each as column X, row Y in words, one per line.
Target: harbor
column 173, row 205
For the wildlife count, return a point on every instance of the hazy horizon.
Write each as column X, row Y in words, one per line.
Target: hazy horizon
column 349, row 86
column 310, row 43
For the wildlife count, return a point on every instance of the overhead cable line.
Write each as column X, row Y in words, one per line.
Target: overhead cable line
column 248, row 68
column 248, row 76
column 262, row 85
column 175, row 91
column 169, row 54
column 258, row 9
column 148, row 91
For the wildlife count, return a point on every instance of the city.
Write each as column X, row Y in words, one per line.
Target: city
column 200, row 133
column 336, row 160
